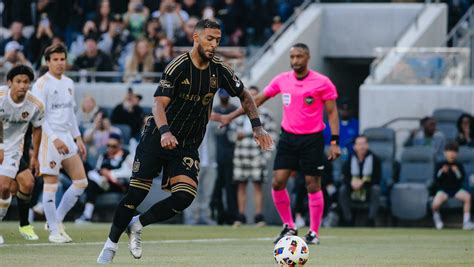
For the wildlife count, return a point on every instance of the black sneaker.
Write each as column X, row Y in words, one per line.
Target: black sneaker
column 287, row 231
column 311, row 238
column 259, row 220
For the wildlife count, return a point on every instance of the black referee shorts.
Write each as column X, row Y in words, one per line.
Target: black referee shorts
column 302, row 152
column 151, row 159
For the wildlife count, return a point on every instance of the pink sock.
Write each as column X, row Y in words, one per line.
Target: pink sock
column 316, row 209
column 281, row 199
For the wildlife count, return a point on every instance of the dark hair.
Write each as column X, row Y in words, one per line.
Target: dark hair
column 451, row 146
column 206, row 23
column 116, row 136
column 302, row 46
column 254, row 87
column 20, row 70
column 360, row 136
column 471, row 121
column 56, row 48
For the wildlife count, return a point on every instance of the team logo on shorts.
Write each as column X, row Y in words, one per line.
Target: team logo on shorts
column 309, row 100
column 70, row 91
column 136, row 166
column 52, row 164
column 25, row 114
column 213, row 81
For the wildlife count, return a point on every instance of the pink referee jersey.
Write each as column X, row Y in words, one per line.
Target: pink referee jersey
column 303, row 100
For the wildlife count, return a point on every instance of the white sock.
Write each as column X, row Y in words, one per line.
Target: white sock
column 88, row 210
column 467, row 217
column 110, row 244
column 70, row 198
column 31, row 216
column 437, row 216
column 49, row 206
column 135, row 222
column 4, row 204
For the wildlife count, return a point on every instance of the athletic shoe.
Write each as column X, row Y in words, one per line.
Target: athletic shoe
column 287, row 231
column 259, row 220
column 468, row 226
column 135, row 241
column 439, row 225
column 28, row 232
column 61, row 230
column 311, row 238
column 1, row 240
column 82, row 220
column 57, row 238
column 106, row 255
column 299, row 222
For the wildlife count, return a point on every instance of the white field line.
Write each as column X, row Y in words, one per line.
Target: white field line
column 209, row 240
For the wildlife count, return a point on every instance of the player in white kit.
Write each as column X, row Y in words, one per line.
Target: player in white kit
column 18, row 107
column 59, row 150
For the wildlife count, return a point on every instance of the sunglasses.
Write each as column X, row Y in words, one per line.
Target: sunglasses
column 112, row 145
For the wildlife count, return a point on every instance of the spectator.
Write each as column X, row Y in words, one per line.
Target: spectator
column 465, row 130
column 361, row 181
column 78, row 46
column 42, row 38
column 16, row 11
column 154, row 32
column 16, row 30
column 86, row 113
column 116, row 42
column 93, row 59
column 13, row 56
column 172, row 18
column 111, row 174
column 141, row 61
column 449, row 181
column 130, row 113
column 224, row 158
column 429, row 136
column 96, row 136
column 136, row 17
column 348, row 129
column 250, row 162
column 192, row 8
column 276, row 24
column 229, row 15
column 187, row 38
column 164, row 54
column 104, row 16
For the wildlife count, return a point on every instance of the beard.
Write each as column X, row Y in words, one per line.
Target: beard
column 202, row 54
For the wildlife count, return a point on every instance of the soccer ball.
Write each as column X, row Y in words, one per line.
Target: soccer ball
column 291, row 251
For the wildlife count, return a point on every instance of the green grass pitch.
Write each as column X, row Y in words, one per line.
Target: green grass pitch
column 170, row 245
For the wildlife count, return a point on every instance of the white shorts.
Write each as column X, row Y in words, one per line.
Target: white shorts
column 11, row 163
column 49, row 157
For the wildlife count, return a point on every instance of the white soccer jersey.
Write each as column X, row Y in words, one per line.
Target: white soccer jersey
column 58, row 98
column 16, row 117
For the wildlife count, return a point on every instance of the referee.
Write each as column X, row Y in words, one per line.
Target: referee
column 170, row 140
column 305, row 93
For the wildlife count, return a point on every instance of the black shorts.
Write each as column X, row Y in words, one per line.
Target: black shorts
column 24, row 163
column 151, row 159
column 302, row 152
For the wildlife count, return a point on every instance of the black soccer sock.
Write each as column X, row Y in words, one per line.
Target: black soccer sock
column 126, row 209
column 167, row 208
column 23, row 207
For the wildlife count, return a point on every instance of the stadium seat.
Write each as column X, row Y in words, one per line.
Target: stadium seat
column 381, row 137
column 409, row 201
column 417, row 165
column 147, row 111
column 447, row 119
column 466, row 158
column 126, row 132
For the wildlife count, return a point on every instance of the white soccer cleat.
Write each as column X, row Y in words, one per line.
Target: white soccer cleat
column 439, row 225
column 106, row 255
column 57, row 238
column 135, row 241
column 468, row 226
column 1, row 240
column 61, row 229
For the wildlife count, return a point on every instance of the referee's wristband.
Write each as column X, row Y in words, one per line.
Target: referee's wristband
column 255, row 122
column 334, row 139
column 164, row 129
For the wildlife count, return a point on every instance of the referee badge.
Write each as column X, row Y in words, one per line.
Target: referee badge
column 309, row 100
column 213, row 82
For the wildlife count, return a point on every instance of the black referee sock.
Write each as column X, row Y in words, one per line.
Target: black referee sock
column 126, row 209
column 167, row 208
column 23, row 207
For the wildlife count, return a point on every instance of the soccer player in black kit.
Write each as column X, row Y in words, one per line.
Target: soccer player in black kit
column 170, row 140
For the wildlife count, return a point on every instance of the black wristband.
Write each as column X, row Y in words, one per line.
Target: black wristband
column 164, row 129
column 255, row 122
column 334, row 139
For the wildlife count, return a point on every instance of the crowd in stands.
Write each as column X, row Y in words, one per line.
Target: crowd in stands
column 133, row 37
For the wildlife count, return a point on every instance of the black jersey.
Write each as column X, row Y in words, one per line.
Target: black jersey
column 192, row 92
